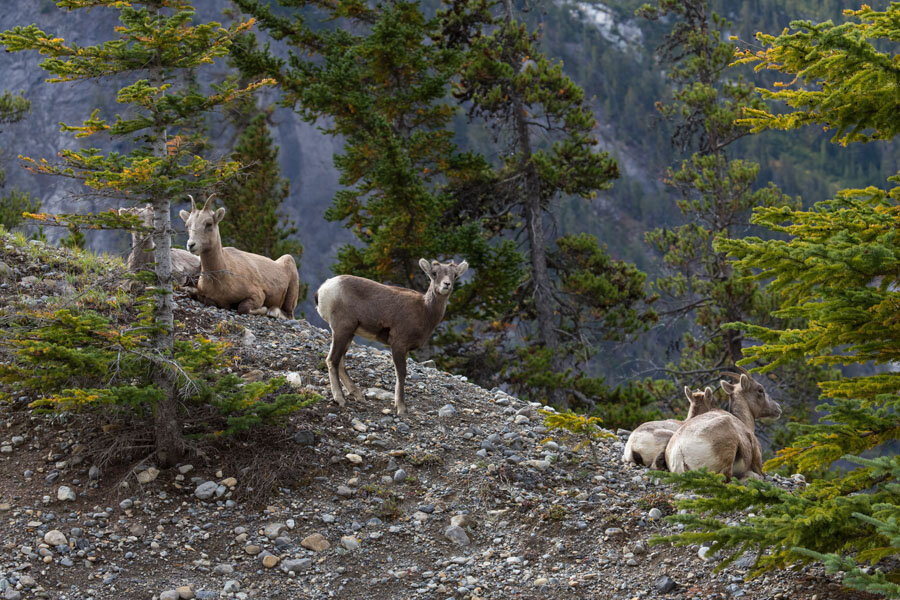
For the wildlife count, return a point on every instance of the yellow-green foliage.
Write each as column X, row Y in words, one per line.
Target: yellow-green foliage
column 834, row 269
column 76, row 360
column 841, row 76
column 586, row 430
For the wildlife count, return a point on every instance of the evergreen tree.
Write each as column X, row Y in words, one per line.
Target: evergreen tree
column 383, row 78
column 153, row 50
column 835, row 272
column 716, row 191
column 700, row 288
column 372, row 75
column 255, row 196
column 13, row 203
column 574, row 294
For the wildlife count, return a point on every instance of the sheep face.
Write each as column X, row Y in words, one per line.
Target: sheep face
column 701, row 401
column 146, row 215
column 751, row 392
column 443, row 275
column 203, row 227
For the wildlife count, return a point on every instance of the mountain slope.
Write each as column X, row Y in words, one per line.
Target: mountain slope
column 534, row 518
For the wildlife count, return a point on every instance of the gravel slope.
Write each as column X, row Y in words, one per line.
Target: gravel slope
column 463, row 498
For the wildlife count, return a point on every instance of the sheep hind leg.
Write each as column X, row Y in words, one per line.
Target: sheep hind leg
column 352, row 388
column 339, row 344
column 251, row 307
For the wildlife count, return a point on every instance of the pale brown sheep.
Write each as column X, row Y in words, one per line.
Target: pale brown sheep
column 398, row 317
column 649, row 439
column 723, row 441
column 231, row 278
column 185, row 266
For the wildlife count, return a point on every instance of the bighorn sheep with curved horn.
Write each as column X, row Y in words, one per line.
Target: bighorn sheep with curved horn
column 649, row 439
column 185, row 266
column 232, row 278
column 723, row 441
column 399, row 317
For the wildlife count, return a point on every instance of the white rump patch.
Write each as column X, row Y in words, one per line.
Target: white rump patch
column 329, row 292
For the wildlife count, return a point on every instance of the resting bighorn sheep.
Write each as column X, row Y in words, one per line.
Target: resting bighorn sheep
column 232, row 278
column 185, row 266
column 723, row 441
column 401, row 318
column 649, row 439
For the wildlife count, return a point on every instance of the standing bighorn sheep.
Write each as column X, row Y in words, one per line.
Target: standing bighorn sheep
column 649, row 439
column 232, row 278
column 723, row 441
column 398, row 317
column 185, row 266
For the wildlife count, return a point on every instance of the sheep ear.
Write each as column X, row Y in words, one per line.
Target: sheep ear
column 728, row 387
column 219, row 214
column 185, row 215
column 688, row 394
column 425, row 266
column 708, row 395
column 461, row 268
column 745, row 382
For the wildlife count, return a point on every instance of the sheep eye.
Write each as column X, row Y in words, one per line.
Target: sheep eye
column 209, row 225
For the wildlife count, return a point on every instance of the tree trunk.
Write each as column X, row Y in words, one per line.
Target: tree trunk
column 543, row 300
column 169, row 440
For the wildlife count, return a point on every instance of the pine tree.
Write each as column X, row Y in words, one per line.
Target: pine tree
column 834, row 270
column 700, row 288
column 14, row 203
column 152, row 50
column 255, row 196
column 372, row 75
column 574, row 294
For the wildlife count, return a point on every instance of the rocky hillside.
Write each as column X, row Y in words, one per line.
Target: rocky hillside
column 466, row 497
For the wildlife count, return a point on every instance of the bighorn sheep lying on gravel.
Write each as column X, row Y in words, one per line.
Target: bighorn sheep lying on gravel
column 232, row 278
column 401, row 318
column 649, row 439
column 723, row 441
column 185, row 266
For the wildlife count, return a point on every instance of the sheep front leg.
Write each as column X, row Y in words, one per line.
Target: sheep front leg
column 756, row 464
column 400, row 371
column 275, row 313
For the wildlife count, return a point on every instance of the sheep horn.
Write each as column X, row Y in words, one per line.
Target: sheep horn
column 193, row 204
column 209, row 200
column 743, row 370
column 735, row 376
